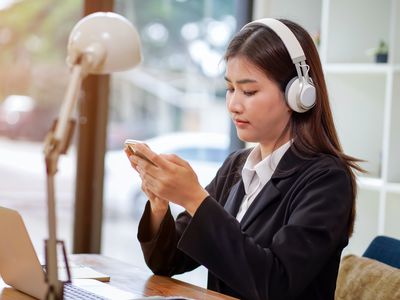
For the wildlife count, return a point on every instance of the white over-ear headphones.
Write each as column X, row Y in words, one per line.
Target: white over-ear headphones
column 300, row 91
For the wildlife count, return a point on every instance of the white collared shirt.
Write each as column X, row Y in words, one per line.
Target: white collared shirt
column 256, row 173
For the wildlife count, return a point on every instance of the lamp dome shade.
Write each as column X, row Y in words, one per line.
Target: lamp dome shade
column 109, row 39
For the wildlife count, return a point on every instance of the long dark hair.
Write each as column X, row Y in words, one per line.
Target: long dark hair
column 314, row 129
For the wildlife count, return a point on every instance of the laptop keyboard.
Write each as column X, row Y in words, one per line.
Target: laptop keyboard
column 73, row 292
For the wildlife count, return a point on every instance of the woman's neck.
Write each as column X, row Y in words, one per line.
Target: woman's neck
column 268, row 147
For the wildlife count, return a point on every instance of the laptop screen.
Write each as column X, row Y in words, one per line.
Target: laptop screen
column 19, row 264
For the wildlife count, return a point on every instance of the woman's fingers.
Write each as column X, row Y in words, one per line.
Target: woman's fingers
column 175, row 159
column 156, row 159
column 150, row 195
column 170, row 177
column 148, row 182
column 158, row 204
column 151, row 162
column 129, row 154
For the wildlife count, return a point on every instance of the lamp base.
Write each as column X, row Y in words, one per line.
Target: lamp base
column 56, row 292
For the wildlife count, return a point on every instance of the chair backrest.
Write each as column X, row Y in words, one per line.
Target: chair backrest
column 384, row 249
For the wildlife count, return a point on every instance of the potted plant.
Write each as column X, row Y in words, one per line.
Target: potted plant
column 381, row 52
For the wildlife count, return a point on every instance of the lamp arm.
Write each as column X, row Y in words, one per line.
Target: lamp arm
column 56, row 143
column 71, row 97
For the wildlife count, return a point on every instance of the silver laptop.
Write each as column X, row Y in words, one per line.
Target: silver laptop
column 21, row 269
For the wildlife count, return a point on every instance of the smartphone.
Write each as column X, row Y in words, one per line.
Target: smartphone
column 131, row 144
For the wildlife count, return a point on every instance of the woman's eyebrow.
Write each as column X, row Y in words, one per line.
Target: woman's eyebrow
column 241, row 81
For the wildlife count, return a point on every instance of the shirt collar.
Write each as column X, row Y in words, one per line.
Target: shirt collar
column 263, row 169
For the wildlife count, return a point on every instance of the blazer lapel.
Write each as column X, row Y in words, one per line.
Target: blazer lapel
column 267, row 195
column 288, row 165
column 235, row 198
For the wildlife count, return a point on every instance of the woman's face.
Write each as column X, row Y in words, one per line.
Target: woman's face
column 255, row 102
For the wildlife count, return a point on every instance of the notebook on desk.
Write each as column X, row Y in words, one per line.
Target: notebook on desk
column 79, row 271
column 21, row 269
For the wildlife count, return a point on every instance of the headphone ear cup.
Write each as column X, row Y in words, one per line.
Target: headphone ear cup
column 300, row 100
column 308, row 96
column 291, row 93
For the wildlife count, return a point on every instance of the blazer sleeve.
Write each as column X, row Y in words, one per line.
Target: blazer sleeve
column 318, row 220
column 160, row 252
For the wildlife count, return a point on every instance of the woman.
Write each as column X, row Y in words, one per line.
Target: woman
column 273, row 222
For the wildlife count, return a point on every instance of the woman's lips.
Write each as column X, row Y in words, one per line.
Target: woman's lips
column 240, row 123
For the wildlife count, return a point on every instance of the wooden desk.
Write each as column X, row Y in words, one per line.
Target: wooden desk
column 129, row 278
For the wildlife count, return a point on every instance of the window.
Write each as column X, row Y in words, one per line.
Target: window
column 33, row 79
column 174, row 101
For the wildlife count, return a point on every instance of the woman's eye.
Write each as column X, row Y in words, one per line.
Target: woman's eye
column 230, row 90
column 249, row 93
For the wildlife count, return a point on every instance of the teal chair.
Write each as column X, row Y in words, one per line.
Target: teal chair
column 384, row 249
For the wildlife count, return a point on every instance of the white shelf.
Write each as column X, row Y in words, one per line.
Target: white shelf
column 376, row 184
column 370, row 183
column 364, row 96
column 393, row 187
column 373, row 68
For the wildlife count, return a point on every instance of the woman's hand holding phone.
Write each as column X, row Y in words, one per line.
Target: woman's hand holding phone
column 131, row 146
column 168, row 176
column 158, row 206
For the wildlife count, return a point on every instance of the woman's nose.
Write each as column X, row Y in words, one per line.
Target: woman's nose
column 233, row 102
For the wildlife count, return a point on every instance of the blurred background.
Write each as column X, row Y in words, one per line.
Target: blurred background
column 175, row 102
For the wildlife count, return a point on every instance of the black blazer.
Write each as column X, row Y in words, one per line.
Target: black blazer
column 288, row 244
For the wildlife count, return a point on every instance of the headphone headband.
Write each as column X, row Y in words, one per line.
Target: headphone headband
column 286, row 35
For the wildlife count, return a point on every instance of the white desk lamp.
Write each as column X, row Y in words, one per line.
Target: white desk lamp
column 100, row 43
